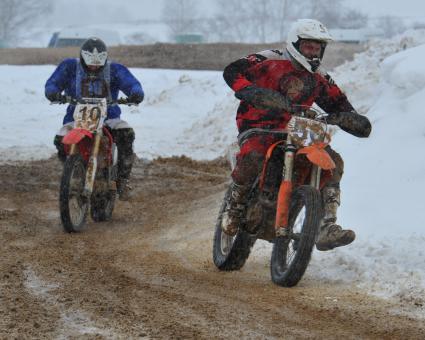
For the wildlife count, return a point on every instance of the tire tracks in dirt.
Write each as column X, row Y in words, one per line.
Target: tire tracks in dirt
column 148, row 273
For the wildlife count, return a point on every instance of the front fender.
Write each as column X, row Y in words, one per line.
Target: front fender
column 317, row 154
column 75, row 136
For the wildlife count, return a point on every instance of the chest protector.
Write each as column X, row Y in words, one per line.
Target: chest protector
column 87, row 86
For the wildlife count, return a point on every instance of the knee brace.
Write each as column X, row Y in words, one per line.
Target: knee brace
column 57, row 141
column 124, row 139
column 247, row 168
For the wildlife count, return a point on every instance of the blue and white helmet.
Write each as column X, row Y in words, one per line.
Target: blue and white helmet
column 308, row 29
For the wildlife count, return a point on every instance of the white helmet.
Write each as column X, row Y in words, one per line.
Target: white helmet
column 307, row 29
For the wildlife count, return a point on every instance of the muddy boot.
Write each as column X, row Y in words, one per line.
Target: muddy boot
column 125, row 164
column 124, row 138
column 331, row 235
column 123, row 189
column 235, row 209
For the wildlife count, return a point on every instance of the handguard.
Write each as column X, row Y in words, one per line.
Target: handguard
column 265, row 99
column 351, row 122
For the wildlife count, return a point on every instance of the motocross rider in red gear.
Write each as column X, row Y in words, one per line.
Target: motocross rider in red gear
column 272, row 84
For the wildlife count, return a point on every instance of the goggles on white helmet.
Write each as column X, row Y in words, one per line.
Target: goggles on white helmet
column 95, row 58
column 93, row 53
column 309, row 30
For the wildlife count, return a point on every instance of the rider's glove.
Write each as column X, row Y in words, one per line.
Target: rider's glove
column 135, row 98
column 351, row 122
column 54, row 97
column 333, row 118
column 266, row 99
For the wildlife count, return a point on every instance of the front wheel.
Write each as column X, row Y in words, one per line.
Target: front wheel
column 230, row 252
column 291, row 254
column 72, row 201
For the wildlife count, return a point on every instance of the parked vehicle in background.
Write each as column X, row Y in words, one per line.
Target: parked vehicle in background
column 3, row 44
column 75, row 36
column 189, row 38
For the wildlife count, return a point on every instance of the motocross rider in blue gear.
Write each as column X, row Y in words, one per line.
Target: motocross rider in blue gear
column 93, row 75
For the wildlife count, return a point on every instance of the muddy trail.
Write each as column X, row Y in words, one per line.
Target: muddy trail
column 148, row 273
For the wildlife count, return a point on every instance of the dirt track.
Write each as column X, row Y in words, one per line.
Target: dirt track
column 149, row 273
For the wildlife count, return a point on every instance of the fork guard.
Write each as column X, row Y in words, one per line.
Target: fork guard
column 282, row 209
column 317, row 155
column 75, row 136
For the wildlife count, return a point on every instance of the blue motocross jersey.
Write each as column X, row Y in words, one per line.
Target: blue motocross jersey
column 71, row 78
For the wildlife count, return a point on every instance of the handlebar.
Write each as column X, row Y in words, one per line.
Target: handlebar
column 75, row 101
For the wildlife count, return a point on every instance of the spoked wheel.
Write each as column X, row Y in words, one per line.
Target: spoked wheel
column 230, row 252
column 73, row 204
column 291, row 254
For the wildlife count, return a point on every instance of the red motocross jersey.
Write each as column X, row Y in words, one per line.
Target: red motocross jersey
column 274, row 70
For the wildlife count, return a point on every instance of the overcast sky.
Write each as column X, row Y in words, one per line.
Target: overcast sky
column 101, row 11
column 404, row 8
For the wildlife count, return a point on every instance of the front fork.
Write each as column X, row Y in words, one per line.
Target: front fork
column 92, row 163
column 316, row 173
column 286, row 186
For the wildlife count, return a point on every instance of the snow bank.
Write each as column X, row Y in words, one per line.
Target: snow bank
column 384, row 176
column 361, row 77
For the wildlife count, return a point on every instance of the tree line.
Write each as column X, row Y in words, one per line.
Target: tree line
column 261, row 21
column 253, row 21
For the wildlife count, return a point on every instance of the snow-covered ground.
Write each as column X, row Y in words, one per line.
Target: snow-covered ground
column 192, row 113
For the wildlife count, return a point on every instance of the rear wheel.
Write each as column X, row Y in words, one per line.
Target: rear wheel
column 291, row 254
column 230, row 252
column 72, row 202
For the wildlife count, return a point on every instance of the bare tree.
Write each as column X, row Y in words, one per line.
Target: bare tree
column 334, row 14
column 391, row 25
column 18, row 16
column 263, row 18
column 329, row 12
column 180, row 16
column 354, row 19
column 289, row 11
column 247, row 20
column 230, row 21
column 269, row 20
column 282, row 16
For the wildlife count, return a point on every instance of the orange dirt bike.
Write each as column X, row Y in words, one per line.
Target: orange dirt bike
column 284, row 205
column 90, row 170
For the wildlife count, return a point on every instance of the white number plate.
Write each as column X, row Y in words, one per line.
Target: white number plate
column 87, row 116
column 305, row 132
